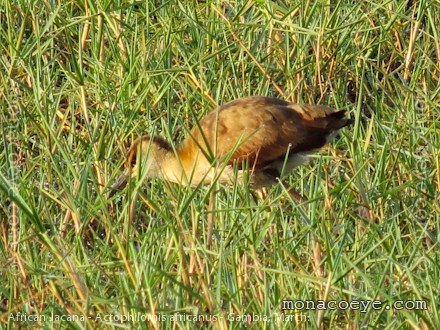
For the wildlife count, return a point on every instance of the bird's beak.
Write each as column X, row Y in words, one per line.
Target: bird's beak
column 119, row 184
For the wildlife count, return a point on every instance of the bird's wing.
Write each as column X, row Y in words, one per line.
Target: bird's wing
column 257, row 130
column 261, row 130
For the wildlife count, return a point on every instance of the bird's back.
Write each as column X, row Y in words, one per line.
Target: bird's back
column 261, row 130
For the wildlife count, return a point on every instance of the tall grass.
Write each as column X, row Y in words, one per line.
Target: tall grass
column 80, row 80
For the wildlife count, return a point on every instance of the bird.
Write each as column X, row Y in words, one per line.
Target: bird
column 266, row 137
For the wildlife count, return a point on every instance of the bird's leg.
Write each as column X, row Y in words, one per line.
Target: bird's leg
column 315, row 247
column 132, row 210
column 297, row 195
column 315, row 244
column 261, row 193
column 211, row 219
column 294, row 194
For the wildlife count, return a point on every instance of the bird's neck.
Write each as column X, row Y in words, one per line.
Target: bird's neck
column 179, row 167
column 171, row 168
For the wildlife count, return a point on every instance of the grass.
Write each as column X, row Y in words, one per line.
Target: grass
column 80, row 80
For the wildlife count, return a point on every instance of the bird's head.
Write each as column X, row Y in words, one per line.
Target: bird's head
column 145, row 159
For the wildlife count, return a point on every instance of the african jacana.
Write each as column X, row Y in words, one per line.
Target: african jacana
column 267, row 135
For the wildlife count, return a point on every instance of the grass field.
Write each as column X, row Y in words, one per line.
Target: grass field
column 80, row 80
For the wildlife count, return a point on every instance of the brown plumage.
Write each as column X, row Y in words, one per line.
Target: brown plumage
column 267, row 135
